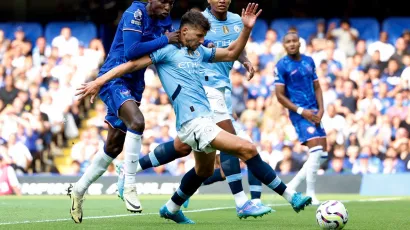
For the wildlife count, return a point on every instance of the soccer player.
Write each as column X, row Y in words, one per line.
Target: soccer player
column 298, row 89
column 141, row 31
column 225, row 28
column 178, row 68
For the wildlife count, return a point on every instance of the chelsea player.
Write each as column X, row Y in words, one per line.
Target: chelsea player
column 142, row 30
column 298, row 89
column 178, row 68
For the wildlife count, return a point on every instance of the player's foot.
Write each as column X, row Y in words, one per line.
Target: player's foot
column 315, row 201
column 120, row 180
column 251, row 209
column 299, row 202
column 131, row 200
column 178, row 217
column 186, row 203
column 260, row 204
column 76, row 209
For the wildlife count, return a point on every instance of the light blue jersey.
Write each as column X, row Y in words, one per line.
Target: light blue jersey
column 222, row 34
column 179, row 74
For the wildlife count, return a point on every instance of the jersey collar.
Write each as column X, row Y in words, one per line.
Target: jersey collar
column 210, row 12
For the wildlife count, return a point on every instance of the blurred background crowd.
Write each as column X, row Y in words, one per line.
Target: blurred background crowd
column 365, row 84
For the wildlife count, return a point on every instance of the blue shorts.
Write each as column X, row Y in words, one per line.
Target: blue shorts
column 307, row 130
column 115, row 93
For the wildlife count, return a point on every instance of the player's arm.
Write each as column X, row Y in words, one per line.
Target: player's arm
column 319, row 98
column 232, row 52
column 93, row 87
column 134, row 47
column 243, row 59
column 280, row 89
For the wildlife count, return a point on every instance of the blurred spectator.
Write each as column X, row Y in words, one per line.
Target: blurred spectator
column 66, row 43
column 346, row 36
column 383, row 46
column 9, row 183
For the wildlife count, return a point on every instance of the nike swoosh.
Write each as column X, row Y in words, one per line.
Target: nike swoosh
column 133, row 162
column 136, row 207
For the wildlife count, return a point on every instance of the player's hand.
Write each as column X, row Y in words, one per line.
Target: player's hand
column 90, row 88
column 308, row 114
column 249, row 67
column 211, row 45
column 317, row 118
column 249, row 15
column 173, row 37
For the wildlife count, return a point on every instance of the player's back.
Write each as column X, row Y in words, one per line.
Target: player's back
column 135, row 19
column 222, row 34
column 178, row 71
column 298, row 76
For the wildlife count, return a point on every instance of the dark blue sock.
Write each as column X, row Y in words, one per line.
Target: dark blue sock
column 255, row 186
column 265, row 174
column 214, row 178
column 189, row 184
column 162, row 154
column 232, row 170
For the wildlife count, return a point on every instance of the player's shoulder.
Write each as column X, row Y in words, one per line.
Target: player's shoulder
column 170, row 48
column 137, row 10
column 282, row 62
column 234, row 17
column 307, row 58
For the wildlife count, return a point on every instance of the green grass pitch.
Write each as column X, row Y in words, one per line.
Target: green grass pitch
column 208, row 211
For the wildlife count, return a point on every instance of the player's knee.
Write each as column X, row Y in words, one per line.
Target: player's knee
column 113, row 149
column 204, row 171
column 183, row 149
column 137, row 124
column 247, row 150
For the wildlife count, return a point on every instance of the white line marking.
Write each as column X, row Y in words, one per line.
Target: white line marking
column 188, row 211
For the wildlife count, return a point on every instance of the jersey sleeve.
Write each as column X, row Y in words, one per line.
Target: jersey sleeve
column 160, row 55
column 279, row 75
column 208, row 54
column 133, row 21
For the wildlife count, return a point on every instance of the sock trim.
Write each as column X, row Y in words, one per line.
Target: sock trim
column 275, row 183
column 324, row 155
column 182, row 194
column 255, row 188
column 234, row 177
column 134, row 132
column 316, row 149
column 153, row 159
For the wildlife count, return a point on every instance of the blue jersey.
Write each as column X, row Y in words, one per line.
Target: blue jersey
column 298, row 78
column 178, row 71
column 222, row 34
column 135, row 19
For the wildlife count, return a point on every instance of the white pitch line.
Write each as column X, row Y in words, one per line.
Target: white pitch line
column 188, row 211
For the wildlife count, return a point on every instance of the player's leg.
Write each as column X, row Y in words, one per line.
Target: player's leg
column 247, row 152
column 98, row 166
column 163, row 154
column 255, row 185
column 314, row 137
column 218, row 174
column 192, row 180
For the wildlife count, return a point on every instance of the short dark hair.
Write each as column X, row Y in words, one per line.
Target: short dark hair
column 195, row 18
column 290, row 33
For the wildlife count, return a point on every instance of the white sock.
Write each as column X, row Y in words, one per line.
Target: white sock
column 256, row 201
column 323, row 157
column 97, row 167
column 139, row 169
column 172, row 207
column 288, row 194
column 300, row 176
column 313, row 164
column 132, row 148
column 240, row 198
